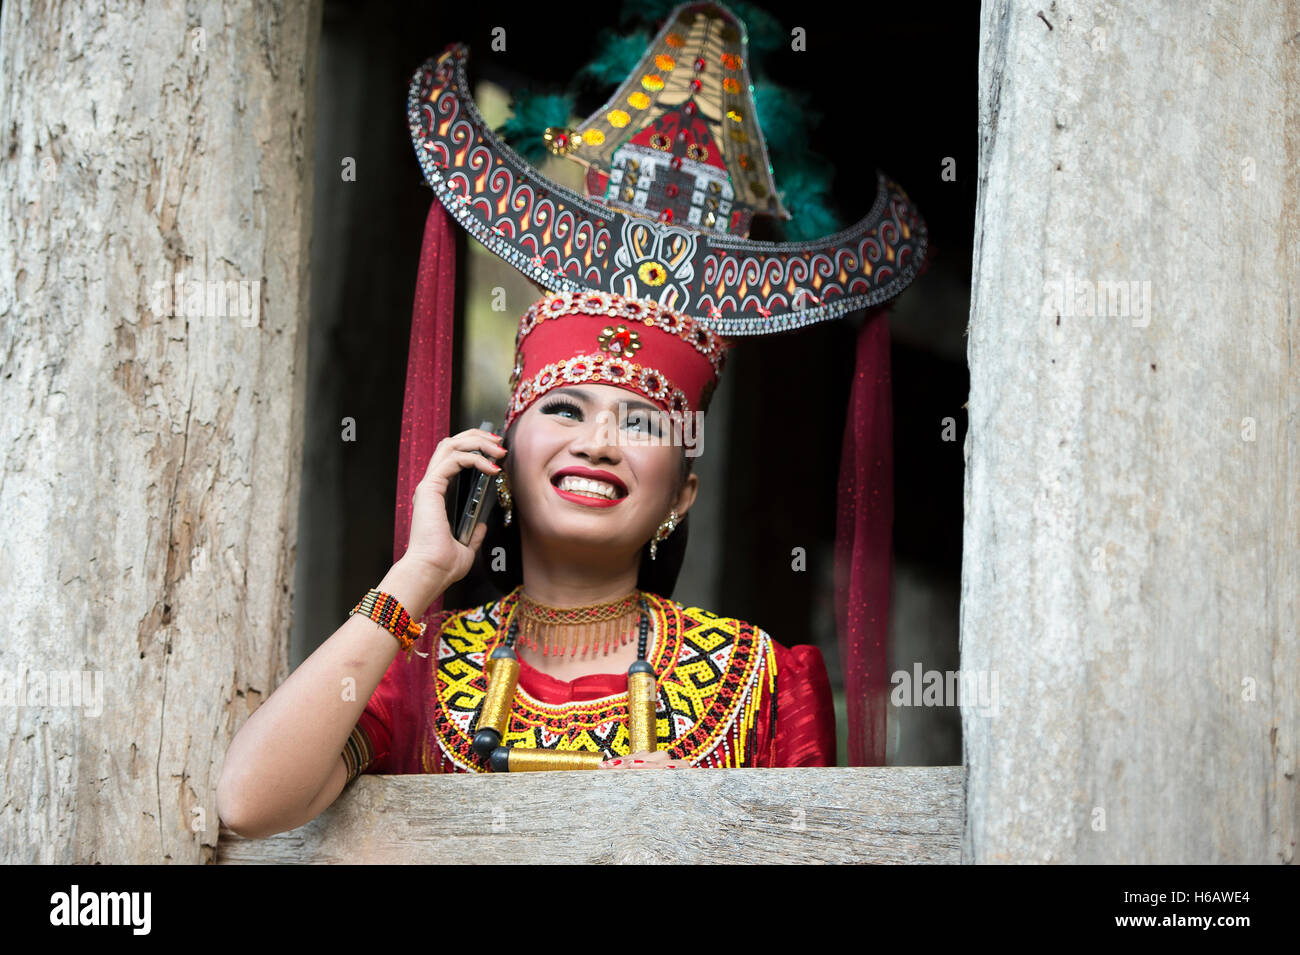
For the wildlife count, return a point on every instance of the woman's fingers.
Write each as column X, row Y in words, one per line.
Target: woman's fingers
column 452, row 463
column 644, row 760
column 465, row 441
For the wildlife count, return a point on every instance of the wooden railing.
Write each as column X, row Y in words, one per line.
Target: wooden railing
column 881, row 814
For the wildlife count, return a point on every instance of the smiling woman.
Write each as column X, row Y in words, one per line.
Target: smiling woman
column 586, row 661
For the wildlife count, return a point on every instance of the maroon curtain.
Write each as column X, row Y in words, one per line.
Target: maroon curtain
column 426, row 411
column 863, row 543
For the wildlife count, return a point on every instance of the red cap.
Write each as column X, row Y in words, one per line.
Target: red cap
column 605, row 338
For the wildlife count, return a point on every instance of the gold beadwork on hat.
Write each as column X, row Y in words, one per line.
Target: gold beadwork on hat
column 619, row 341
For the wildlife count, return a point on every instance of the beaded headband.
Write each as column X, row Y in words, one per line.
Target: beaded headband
column 604, row 338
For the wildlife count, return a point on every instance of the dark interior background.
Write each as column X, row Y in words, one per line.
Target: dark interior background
column 897, row 88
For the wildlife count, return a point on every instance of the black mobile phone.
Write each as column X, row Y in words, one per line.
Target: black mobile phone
column 475, row 494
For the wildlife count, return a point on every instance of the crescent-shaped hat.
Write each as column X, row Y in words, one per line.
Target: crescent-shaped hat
column 676, row 169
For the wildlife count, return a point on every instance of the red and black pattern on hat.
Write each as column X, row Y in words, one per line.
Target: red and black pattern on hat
column 564, row 241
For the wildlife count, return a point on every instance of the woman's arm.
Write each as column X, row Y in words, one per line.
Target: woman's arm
column 285, row 764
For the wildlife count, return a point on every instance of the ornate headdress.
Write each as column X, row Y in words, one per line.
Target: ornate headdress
column 652, row 274
column 673, row 181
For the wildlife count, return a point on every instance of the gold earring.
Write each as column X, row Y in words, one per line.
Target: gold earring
column 667, row 527
column 503, row 496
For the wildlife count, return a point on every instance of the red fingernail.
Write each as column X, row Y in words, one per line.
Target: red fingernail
column 670, row 766
column 618, row 762
column 638, row 760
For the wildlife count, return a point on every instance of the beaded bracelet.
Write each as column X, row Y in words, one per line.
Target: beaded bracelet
column 385, row 610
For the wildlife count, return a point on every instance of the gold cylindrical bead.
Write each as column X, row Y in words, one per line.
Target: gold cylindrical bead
column 644, row 737
column 503, row 678
column 542, row 760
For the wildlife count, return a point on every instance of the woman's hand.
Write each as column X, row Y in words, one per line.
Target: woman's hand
column 644, row 760
column 432, row 544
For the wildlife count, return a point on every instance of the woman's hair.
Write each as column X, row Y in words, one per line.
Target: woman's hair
column 659, row 576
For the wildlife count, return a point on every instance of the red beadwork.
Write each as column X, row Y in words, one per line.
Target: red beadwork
column 689, row 107
column 670, row 190
column 699, row 64
column 676, row 162
column 665, row 215
column 695, row 85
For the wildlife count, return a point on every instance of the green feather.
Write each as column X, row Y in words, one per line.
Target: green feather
column 766, row 35
column 618, row 57
column 805, row 189
column 531, row 113
column 785, row 116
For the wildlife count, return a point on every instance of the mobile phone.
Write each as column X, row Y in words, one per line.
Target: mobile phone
column 475, row 494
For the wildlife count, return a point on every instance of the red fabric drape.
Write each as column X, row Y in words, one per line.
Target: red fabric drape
column 426, row 410
column 863, row 543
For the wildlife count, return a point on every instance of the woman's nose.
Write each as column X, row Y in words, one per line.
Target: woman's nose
column 598, row 439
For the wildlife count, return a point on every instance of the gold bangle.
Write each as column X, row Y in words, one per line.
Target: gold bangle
column 358, row 754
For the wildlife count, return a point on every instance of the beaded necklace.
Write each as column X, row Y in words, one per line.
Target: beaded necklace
column 503, row 681
column 555, row 630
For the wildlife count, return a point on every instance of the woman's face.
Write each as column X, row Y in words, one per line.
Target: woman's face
column 595, row 466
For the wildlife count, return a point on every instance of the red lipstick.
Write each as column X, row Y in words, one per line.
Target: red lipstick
column 619, row 487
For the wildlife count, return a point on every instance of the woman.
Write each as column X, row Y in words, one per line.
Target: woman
column 595, row 479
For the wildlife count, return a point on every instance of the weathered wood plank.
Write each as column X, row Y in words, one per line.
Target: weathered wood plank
column 875, row 814
column 1132, row 533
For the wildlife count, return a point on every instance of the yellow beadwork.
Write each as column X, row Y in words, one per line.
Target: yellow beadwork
column 692, row 654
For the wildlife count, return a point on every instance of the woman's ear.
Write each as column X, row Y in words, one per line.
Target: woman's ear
column 686, row 495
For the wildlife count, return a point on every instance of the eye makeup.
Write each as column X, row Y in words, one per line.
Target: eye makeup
column 556, row 405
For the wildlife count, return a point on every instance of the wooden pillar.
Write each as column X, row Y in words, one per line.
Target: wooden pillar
column 1132, row 531
column 150, row 442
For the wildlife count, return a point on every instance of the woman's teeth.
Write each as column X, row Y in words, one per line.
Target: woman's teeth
column 578, row 485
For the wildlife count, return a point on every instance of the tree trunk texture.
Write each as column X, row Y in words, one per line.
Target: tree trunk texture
column 149, row 491
column 1132, row 532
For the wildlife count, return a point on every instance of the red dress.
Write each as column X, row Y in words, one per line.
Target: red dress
column 728, row 696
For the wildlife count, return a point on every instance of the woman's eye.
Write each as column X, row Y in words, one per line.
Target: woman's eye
column 562, row 408
column 642, row 423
